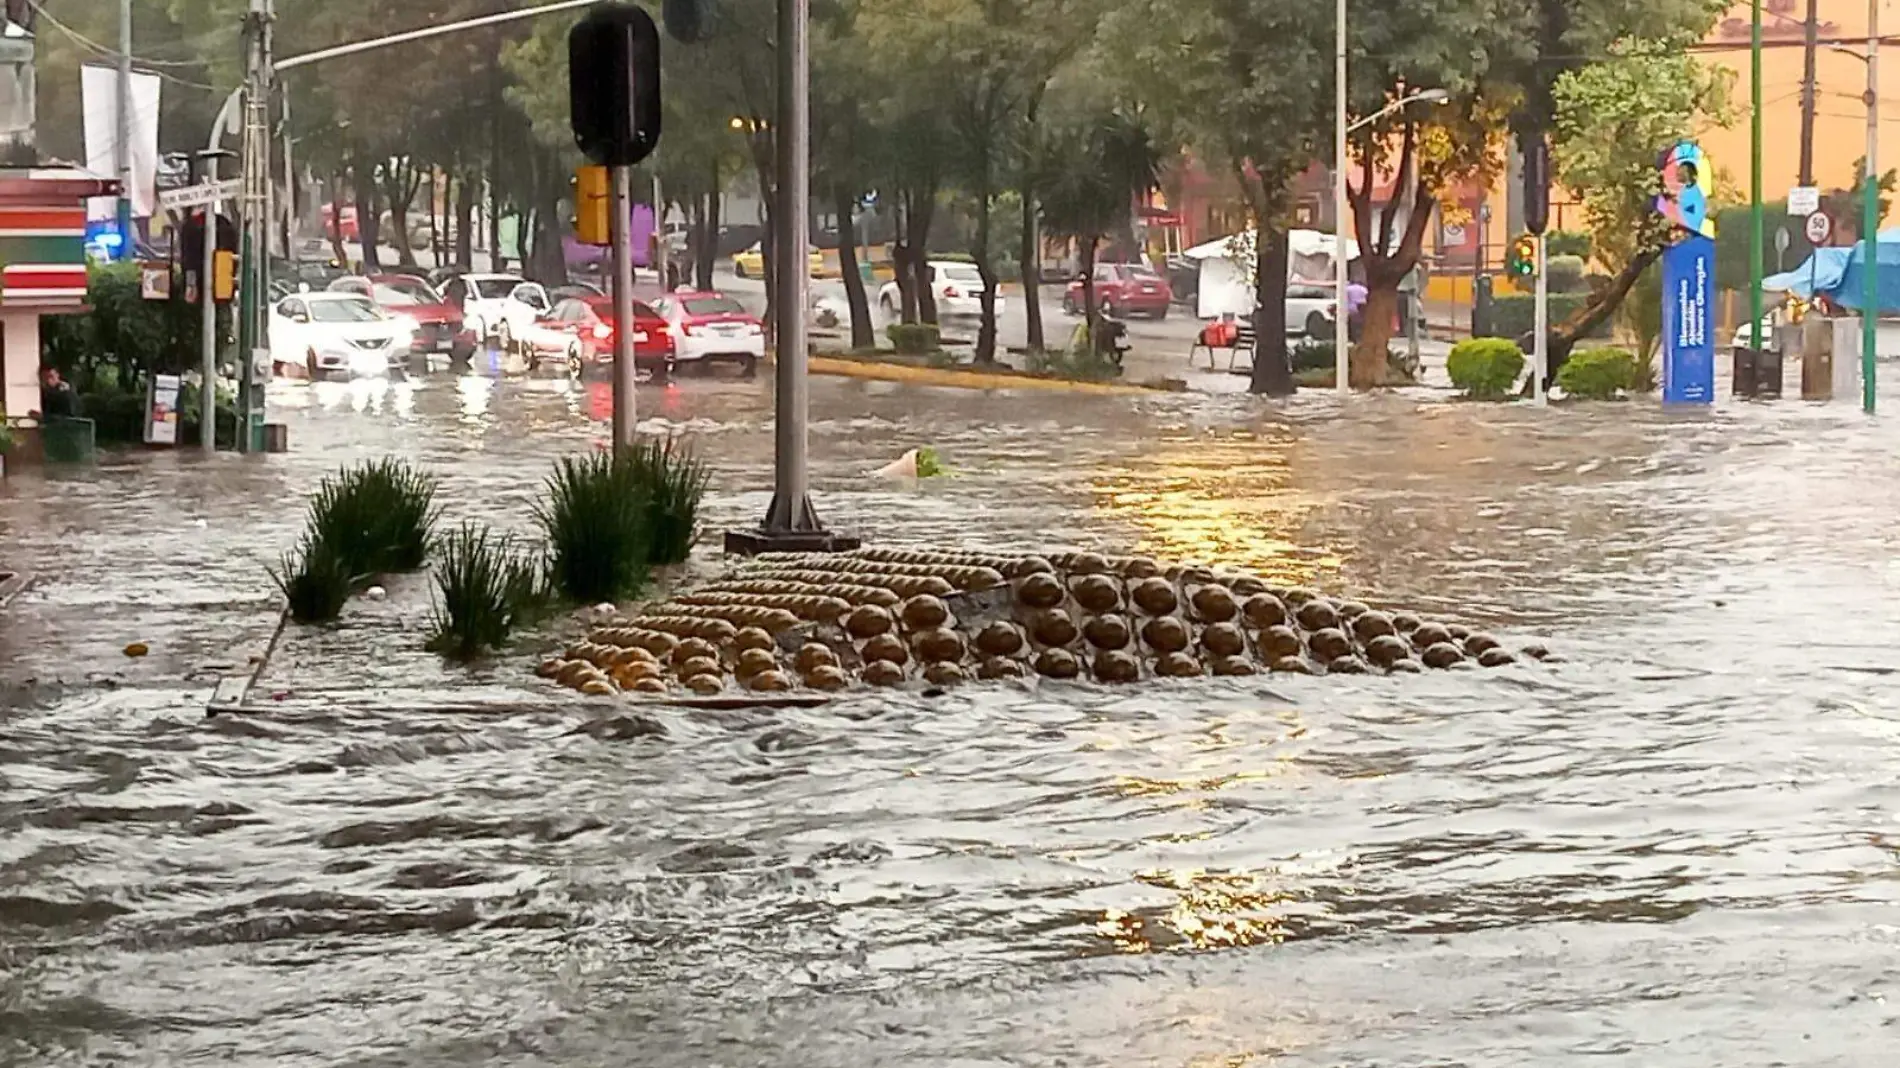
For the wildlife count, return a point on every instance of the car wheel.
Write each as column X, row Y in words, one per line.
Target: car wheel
column 310, row 365
column 1318, row 327
column 749, row 368
column 574, row 365
column 738, row 269
column 890, row 306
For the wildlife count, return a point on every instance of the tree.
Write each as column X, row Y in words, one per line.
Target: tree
column 1613, row 121
column 1234, row 81
column 1095, row 171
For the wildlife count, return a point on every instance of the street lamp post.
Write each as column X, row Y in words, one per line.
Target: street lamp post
column 1870, row 216
column 1341, row 334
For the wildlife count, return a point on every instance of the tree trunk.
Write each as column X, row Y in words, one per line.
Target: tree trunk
column 336, row 219
column 1032, row 273
column 923, row 210
column 1272, row 374
column 901, row 257
column 465, row 224
column 862, row 336
column 1091, row 310
column 368, row 223
column 399, row 184
column 1369, row 367
column 1564, row 337
column 706, row 252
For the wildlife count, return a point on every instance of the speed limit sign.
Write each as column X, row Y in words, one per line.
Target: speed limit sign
column 1817, row 228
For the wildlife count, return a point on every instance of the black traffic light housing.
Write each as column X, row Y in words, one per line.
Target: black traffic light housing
column 1537, row 185
column 613, row 58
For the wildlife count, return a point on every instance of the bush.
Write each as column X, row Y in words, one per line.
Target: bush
column 377, row 517
column 1310, row 355
column 483, row 589
column 597, row 526
column 315, row 581
column 1598, row 374
column 125, row 338
column 1566, row 274
column 1568, row 243
column 914, row 339
column 1513, row 314
column 1485, row 368
column 672, row 482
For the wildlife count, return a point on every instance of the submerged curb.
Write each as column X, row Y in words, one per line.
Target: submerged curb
column 962, row 379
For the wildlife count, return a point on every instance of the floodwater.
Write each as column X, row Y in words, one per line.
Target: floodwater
column 1680, row 847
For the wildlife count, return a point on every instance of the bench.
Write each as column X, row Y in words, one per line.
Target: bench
column 1233, row 335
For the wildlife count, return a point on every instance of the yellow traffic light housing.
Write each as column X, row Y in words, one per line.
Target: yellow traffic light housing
column 223, row 275
column 593, row 196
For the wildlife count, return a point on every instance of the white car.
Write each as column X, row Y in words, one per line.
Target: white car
column 1310, row 311
column 957, row 286
column 712, row 327
column 338, row 333
column 499, row 306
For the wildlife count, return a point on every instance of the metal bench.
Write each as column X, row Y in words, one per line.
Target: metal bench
column 1242, row 340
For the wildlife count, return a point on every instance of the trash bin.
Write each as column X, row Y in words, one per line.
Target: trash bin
column 68, row 441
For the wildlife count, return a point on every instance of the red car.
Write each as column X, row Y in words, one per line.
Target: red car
column 581, row 330
column 1123, row 289
column 438, row 323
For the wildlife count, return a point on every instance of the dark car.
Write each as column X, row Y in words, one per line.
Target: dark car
column 1123, row 289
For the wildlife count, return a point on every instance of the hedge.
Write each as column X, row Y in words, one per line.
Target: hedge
column 1485, row 368
column 1598, row 374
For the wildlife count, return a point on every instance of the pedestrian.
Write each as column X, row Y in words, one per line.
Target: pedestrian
column 57, row 399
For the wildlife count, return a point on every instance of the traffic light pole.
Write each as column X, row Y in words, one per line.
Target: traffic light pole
column 208, row 320
column 618, row 223
column 1540, row 328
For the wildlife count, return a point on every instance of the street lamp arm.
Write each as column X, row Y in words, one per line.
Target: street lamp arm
column 1437, row 96
column 427, row 32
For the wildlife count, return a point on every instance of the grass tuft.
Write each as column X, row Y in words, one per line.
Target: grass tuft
column 480, row 592
column 315, row 581
column 596, row 523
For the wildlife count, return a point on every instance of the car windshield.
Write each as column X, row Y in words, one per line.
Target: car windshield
column 407, row 291
column 344, row 311
column 960, row 274
column 712, row 306
column 494, row 288
column 1139, row 272
column 394, row 296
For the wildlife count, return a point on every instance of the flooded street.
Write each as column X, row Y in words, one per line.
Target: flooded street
column 1679, row 847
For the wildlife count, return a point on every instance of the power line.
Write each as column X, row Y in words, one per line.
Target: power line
column 113, row 53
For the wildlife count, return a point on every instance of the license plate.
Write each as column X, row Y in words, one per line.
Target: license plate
column 444, row 345
column 728, row 331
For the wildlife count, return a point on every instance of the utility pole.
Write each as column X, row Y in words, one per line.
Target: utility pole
column 254, row 219
column 1870, row 216
column 124, row 144
column 1811, row 30
column 1754, row 175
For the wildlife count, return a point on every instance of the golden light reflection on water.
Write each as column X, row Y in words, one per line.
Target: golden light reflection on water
column 1216, row 910
column 1225, row 502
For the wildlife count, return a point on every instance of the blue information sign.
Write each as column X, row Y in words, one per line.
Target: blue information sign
column 1688, row 351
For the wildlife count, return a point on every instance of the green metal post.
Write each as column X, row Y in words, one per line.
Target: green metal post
column 247, row 338
column 1754, row 179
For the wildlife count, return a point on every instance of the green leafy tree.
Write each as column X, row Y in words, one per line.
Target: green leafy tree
column 1613, row 120
column 1233, row 80
column 1095, row 170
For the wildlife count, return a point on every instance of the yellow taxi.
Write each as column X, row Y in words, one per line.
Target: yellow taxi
column 751, row 263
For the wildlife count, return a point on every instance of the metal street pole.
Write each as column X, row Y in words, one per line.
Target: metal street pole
column 662, row 252
column 620, row 234
column 791, row 510
column 124, row 146
column 1754, row 177
column 1342, row 332
column 1870, row 215
column 208, row 319
column 1540, row 326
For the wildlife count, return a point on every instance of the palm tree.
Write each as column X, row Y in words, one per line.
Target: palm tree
column 1096, row 172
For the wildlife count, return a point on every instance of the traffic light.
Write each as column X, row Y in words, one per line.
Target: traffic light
column 1537, row 185
column 592, row 200
column 1522, row 261
column 613, row 89
column 223, row 276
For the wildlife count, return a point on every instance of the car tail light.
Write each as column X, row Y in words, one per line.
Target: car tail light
column 949, row 292
column 603, row 331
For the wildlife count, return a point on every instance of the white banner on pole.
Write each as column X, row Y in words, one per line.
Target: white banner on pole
column 99, row 97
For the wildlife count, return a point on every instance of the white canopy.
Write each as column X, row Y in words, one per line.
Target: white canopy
column 1299, row 243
